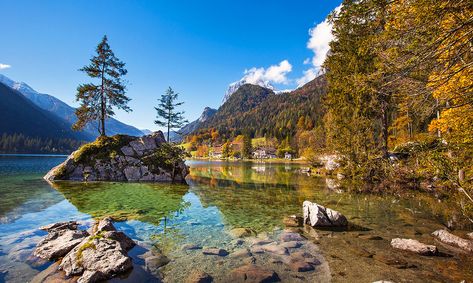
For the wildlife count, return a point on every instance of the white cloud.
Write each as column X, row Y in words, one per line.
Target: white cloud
column 273, row 74
column 320, row 37
column 4, row 66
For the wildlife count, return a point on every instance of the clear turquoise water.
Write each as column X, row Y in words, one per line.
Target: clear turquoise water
column 220, row 196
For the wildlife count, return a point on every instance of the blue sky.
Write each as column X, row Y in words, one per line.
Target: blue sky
column 196, row 47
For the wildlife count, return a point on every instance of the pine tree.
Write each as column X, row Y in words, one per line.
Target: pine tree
column 167, row 116
column 246, row 152
column 98, row 100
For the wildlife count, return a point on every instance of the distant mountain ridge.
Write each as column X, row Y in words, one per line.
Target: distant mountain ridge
column 27, row 128
column 64, row 111
column 177, row 136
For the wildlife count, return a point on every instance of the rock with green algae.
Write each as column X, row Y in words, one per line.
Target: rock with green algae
column 123, row 158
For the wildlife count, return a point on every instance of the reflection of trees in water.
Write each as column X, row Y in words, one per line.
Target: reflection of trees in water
column 146, row 202
column 260, row 206
column 250, row 197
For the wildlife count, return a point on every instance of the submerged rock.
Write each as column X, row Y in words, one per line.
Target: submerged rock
column 253, row 273
column 317, row 215
column 414, row 246
column 199, row 277
column 448, row 238
column 214, row 251
column 275, row 249
column 293, row 221
column 121, row 158
column 291, row 236
column 242, row 232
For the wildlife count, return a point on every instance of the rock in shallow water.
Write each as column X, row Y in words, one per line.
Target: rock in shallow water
column 317, row 215
column 293, row 221
column 291, row 236
column 448, row 238
column 414, row 246
column 93, row 258
column 58, row 243
column 199, row 277
column 214, row 251
column 242, row 232
column 253, row 273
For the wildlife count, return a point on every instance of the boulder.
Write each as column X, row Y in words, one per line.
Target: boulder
column 253, row 273
column 95, row 257
column 414, row 246
column 448, row 238
column 119, row 158
column 70, row 225
column 318, row 216
column 127, row 151
column 58, row 243
column 105, row 224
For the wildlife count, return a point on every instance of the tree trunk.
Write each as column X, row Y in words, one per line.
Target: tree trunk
column 385, row 133
column 102, row 104
column 169, row 123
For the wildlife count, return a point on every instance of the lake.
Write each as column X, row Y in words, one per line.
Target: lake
column 221, row 196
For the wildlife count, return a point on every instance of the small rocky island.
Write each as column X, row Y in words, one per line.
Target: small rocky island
column 123, row 158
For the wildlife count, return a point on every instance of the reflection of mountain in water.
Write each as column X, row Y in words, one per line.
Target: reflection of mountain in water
column 20, row 196
column 250, row 197
column 145, row 202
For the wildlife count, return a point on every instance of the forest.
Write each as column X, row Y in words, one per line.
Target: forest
column 395, row 102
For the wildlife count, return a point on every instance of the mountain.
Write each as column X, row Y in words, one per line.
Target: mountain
column 233, row 87
column 262, row 112
column 246, row 98
column 177, row 136
column 25, row 127
column 146, row 131
column 194, row 125
column 66, row 112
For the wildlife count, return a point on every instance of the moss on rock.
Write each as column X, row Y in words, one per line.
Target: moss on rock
column 102, row 148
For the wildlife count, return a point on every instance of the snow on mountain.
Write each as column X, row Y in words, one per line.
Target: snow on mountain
column 66, row 112
column 233, row 87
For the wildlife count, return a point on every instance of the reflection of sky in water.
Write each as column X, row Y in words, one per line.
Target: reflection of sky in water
column 195, row 224
column 61, row 211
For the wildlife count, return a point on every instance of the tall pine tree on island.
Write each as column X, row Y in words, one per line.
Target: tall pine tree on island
column 97, row 100
column 167, row 116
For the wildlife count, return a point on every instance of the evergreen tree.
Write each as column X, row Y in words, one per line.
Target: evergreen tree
column 98, row 100
column 246, row 151
column 167, row 116
column 357, row 105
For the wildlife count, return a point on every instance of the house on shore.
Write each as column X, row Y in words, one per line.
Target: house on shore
column 264, row 153
column 216, row 152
